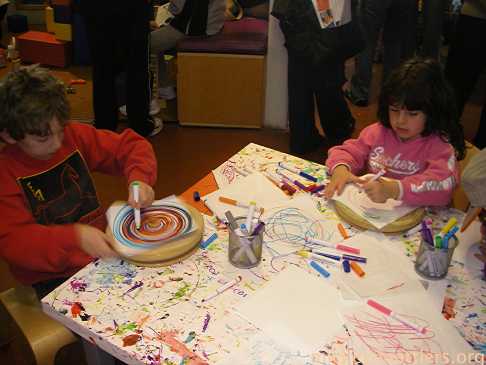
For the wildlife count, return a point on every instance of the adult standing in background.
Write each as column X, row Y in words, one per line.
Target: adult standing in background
column 318, row 43
column 191, row 18
column 395, row 17
column 467, row 59
column 118, row 34
column 3, row 11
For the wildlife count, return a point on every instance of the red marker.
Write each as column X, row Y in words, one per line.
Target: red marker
column 388, row 312
column 336, row 246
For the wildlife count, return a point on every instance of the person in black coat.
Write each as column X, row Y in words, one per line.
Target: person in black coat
column 118, row 37
column 316, row 56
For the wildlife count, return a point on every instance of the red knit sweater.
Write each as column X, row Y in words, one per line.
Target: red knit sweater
column 40, row 200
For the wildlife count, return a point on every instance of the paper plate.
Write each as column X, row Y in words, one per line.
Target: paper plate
column 153, row 252
column 402, row 224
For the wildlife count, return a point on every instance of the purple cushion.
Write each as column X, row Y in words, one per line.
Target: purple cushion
column 246, row 25
column 245, row 36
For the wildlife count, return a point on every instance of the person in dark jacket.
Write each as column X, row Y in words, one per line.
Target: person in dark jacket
column 317, row 49
column 118, row 33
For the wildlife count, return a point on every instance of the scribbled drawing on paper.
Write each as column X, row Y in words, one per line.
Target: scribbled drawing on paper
column 391, row 342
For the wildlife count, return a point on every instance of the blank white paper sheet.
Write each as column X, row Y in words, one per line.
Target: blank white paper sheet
column 296, row 309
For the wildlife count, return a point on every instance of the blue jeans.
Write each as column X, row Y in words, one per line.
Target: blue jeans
column 395, row 17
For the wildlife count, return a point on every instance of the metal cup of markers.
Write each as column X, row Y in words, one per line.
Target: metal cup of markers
column 244, row 250
column 433, row 263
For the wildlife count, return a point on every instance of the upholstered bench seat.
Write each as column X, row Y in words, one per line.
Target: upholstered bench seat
column 221, row 78
column 232, row 43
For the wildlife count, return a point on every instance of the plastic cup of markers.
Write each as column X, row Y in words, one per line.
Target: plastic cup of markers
column 433, row 263
column 244, row 250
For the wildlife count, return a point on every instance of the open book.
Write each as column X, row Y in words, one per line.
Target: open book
column 163, row 15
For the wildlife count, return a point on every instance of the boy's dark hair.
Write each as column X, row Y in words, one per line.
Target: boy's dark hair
column 419, row 84
column 29, row 99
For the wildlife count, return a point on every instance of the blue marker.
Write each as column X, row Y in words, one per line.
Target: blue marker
column 355, row 258
column 210, row 240
column 448, row 236
column 298, row 172
column 346, row 266
column 334, row 257
column 320, row 269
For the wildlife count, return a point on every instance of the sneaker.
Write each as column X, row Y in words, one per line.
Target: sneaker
column 355, row 100
column 154, row 108
column 167, row 93
column 158, row 125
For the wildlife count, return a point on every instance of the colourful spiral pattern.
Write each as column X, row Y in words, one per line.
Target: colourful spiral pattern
column 159, row 224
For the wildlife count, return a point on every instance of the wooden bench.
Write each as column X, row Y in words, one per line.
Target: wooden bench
column 221, row 78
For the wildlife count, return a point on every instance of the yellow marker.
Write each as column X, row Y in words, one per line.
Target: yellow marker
column 448, row 225
column 310, row 255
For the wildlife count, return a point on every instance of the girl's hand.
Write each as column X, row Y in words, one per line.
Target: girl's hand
column 145, row 195
column 379, row 191
column 340, row 177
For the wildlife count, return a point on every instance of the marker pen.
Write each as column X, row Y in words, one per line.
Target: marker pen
column 320, row 269
column 336, row 246
column 136, row 198
column 388, row 312
column 290, row 168
column 310, row 255
column 223, row 288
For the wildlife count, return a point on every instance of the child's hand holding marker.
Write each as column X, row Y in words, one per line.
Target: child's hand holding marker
column 380, row 190
column 145, row 195
column 140, row 195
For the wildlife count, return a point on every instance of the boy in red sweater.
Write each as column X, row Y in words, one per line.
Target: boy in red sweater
column 52, row 220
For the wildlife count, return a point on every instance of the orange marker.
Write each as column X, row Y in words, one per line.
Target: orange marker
column 357, row 269
column 236, row 203
column 342, row 230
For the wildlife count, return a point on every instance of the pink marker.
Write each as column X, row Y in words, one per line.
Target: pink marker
column 336, row 246
column 388, row 312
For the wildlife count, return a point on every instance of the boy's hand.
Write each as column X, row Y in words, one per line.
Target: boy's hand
column 146, row 195
column 340, row 177
column 379, row 191
column 94, row 242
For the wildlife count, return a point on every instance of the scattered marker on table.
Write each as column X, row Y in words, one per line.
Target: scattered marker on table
column 210, row 240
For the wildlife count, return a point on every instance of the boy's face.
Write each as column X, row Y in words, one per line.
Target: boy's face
column 43, row 147
column 407, row 124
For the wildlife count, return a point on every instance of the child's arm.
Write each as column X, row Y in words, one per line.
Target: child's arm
column 340, row 177
column 354, row 152
column 346, row 161
column 433, row 186
column 126, row 154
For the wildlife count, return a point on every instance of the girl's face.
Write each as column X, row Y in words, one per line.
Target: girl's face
column 407, row 124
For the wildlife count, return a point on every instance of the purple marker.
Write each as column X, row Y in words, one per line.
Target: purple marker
column 317, row 189
column 258, row 228
column 427, row 234
column 334, row 257
column 355, row 258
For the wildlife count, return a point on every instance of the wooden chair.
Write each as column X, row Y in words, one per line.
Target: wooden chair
column 459, row 198
column 43, row 335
